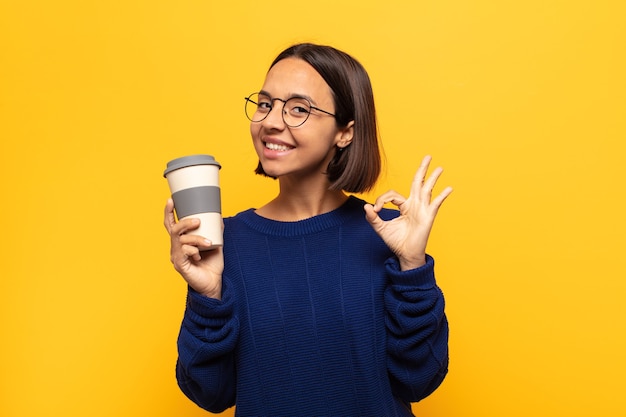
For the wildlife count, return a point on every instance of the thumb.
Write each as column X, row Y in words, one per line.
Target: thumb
column 169, row 219
column 371, row 215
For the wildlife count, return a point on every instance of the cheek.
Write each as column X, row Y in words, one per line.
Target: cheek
column 255, row 131
column 255, row 136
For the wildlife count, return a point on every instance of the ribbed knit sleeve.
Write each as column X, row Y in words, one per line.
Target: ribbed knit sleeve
column 205, row 368
column 417, row 329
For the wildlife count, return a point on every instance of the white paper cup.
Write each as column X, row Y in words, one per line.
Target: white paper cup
column 195, row 188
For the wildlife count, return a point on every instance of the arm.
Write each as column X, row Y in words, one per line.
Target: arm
column 417, row 331
column 417, row 328
column 205, row 369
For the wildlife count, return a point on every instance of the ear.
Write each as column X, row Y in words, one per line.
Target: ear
column 344, row 136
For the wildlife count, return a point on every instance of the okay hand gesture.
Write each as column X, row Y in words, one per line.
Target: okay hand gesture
column 407, row 234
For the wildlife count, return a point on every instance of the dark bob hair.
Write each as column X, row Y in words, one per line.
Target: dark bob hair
column 355, row 168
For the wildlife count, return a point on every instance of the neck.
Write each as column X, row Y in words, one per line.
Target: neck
column 301, row 201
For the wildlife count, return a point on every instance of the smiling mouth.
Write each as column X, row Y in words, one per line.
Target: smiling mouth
column 277, row 147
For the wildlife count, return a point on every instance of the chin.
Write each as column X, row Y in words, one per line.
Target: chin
column 267, row 171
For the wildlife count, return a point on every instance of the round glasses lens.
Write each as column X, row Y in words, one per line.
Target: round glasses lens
column 296, row 111
column 258, row 107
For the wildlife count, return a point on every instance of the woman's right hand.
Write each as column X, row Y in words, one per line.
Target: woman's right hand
column 201, row 268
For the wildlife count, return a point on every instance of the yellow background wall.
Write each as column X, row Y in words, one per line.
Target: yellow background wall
column 522, row 102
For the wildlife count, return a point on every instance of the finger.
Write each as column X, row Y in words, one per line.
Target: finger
column 194, row 240
column 390, row 196
column 184, row 226
column 372, row 217
column 169, row 220
column 192, row 252
column 429, row 184
column 438, row 201
column 420, row 175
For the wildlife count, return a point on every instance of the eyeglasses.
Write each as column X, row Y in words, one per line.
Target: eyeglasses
column 296, row 110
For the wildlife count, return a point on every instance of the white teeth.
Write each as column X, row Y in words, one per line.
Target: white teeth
column 276, row 147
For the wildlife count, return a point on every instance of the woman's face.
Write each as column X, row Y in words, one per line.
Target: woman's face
column 299, row 151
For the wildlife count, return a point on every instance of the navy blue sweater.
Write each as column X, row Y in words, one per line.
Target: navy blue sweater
column 316, row 319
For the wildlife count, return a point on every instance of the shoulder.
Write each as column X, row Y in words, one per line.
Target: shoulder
column 239, row 220
column 385, row 213
column 237, row 217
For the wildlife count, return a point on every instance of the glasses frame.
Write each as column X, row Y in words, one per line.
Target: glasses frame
column 282, row 113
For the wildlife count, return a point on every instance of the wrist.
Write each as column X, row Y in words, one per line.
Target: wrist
column 215, row 292
column 217, row 295
column 413, row 263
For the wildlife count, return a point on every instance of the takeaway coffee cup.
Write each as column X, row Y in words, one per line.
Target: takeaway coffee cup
column 194, row 184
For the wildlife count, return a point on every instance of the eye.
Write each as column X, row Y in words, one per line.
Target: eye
column 298, row 107
column 299, row 110
column 264, row 104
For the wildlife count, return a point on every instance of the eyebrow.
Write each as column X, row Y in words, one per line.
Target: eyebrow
column 293, row 95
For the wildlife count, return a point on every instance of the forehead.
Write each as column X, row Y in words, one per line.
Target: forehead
column 293, row 76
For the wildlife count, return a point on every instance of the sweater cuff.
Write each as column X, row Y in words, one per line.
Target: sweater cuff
column 422, row 277
column 203, row 308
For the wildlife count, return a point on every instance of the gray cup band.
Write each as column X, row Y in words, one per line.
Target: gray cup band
column 197, row 200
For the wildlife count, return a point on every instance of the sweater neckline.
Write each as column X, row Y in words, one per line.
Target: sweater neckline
column 305, row 226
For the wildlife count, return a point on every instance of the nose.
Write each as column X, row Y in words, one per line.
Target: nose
column 275, row 118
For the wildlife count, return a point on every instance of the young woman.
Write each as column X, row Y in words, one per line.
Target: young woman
column 318, row 304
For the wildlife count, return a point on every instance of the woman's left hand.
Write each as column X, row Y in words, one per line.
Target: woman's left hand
column 407, row 234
